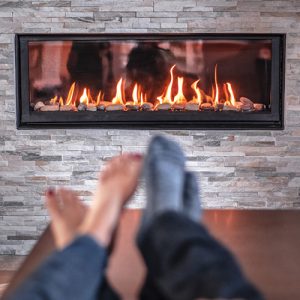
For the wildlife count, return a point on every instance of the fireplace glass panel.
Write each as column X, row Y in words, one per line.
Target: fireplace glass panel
column 215, row 75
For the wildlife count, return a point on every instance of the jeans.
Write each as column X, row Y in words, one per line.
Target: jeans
column 184, row 262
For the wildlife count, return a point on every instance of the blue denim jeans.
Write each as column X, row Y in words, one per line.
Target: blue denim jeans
column 184, row 262
column 73, row 273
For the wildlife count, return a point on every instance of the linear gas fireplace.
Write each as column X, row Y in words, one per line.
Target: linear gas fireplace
column 204, row 81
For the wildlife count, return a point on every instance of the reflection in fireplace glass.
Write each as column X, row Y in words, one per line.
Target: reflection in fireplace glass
column 189, row 75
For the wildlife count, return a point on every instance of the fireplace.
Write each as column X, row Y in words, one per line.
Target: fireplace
column 180, row 81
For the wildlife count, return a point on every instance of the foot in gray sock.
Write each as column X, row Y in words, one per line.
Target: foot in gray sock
column 191, row 197
column 164, row 177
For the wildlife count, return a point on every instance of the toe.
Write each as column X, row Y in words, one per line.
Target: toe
column 64, row 198
column 52, row 204
column 67, row 197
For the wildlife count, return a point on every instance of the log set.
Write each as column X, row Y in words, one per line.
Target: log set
column 244, row 105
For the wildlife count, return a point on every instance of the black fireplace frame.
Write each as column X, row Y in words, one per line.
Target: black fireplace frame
column 27, row 119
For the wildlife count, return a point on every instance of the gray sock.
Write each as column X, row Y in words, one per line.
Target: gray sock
column 164, row 177
column 191, row 197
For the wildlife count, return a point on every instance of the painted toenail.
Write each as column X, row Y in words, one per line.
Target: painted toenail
column 50, row 191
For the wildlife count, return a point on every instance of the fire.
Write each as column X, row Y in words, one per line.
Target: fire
column 139, row 98
column 61, row 101
column 53, row 100
column 180, row 98
column 216, row 98
column 143, row 98
column 232, row 97
column 84, row 97
column 197, row 91
column 118, row 99
column 137, row 95
column 167, row 97
column 70, row 94
column 56, row 100
column 100, row 97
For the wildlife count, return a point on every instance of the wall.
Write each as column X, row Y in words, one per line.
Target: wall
column 244, row 169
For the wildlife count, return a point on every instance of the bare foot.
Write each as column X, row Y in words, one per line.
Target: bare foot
column 70, row 216
column 116, row 185
column 67, row 213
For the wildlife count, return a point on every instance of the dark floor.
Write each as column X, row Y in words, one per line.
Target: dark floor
column 266, row 243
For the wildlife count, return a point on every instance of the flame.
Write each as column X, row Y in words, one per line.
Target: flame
column 180, row 98
column 227, row 97
column 100, row 97
column 90, row 98
column 84, row 97
column 53, row 100
column 70, row 94
column 216, row 98
column 118, row 99
column 167, row 97
column 197, row 91
column 139, row 97
column 135, row 94
column 143, row 98
column 61, row 101
column 232, row 97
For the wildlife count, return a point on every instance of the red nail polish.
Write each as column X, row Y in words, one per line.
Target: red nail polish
column 50, row 191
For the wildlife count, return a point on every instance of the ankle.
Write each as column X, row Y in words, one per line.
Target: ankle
column 101, row 222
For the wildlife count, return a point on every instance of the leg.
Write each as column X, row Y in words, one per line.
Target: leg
column 164, row 176
column 67, row 213
column 183, row 260
column 186, row 262
column 75, row 271
column 66, row 274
